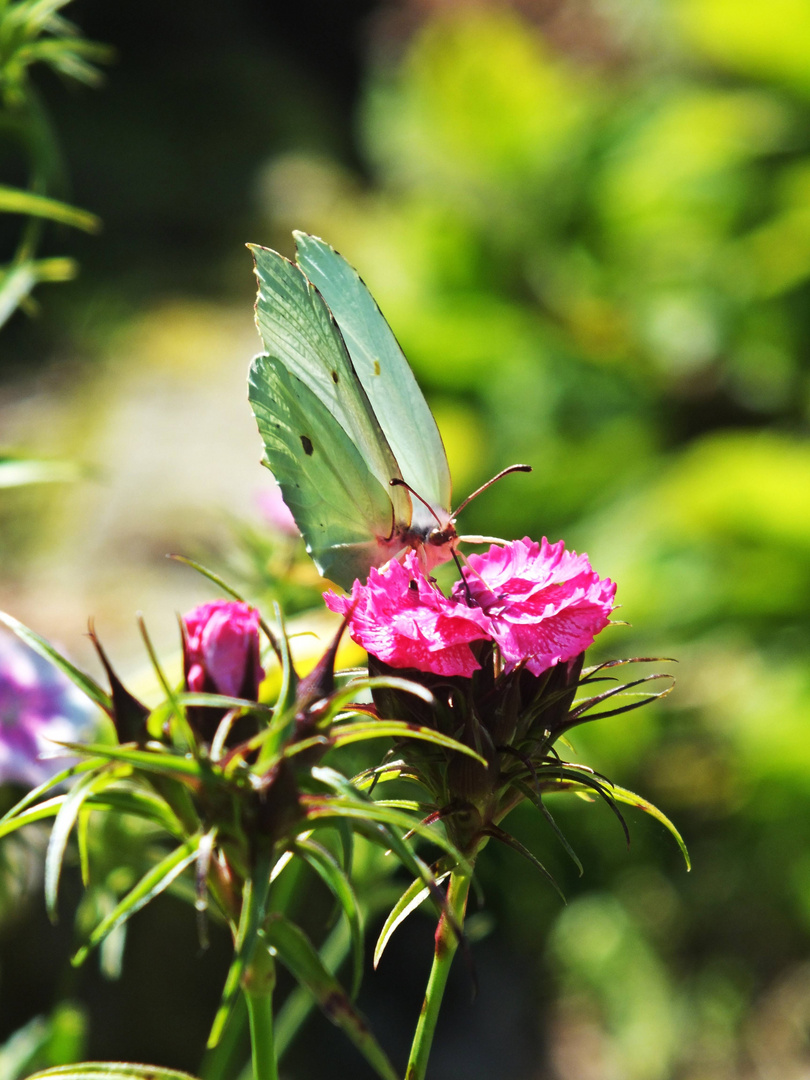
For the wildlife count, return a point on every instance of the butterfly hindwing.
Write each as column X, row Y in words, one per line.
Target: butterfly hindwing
column 387, row 379
column 343, row 511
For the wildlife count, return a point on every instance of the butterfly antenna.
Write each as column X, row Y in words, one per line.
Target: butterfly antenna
column 397, row 481
column 488, row 484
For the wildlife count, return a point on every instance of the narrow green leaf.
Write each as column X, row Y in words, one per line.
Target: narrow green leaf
column 298, row 955
column 138, row 803
column 299, row 1002
column 152, row 760
column 62, row 826
column 631, row 799
column 388, row 838
column 87, row 685
column 187, row 740
column 394, row 770
column 374, row 812
column 586, row 778
column 50, row 808
column 389, row 682
column 46, row 785
column 151, row 885
column 415, row 895
column 342, row 734
column 327, row 867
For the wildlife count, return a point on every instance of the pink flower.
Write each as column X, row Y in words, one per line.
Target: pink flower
column 403, row 620
column 221, row 649
column 545, row 604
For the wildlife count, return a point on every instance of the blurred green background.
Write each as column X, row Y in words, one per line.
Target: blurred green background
column 588, row 222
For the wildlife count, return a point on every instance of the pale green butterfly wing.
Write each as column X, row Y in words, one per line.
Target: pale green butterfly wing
column 387, row 379
column 298, row 329
column 343, row 511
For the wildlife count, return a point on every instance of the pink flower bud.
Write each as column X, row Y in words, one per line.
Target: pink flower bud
column 221, row 653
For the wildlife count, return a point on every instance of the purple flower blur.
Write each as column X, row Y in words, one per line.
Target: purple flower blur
column 39, row 707
column 221, row 652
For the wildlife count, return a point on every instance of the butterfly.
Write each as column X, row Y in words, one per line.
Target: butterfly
column 347, row 432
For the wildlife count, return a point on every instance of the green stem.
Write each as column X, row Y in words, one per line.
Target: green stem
column 258, row 985
column 446, row 945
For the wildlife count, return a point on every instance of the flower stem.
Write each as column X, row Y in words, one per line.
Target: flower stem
column 446, row 945
column 258, row 985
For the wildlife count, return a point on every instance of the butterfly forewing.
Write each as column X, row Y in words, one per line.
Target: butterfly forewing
column 343, row 511
column 298, row 329
column 387, row 379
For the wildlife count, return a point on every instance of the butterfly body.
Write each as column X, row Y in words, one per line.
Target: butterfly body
column 346, row 430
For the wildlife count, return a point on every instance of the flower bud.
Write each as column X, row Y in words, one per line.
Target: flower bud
column 221, row 656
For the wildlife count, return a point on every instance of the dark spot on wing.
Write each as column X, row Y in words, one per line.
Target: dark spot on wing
column 376, row 367
column 306, row 442
column 335, row 377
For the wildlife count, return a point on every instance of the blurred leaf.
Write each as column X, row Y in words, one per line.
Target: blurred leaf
column 111, row 1070
column 15, row 472
column 16, row 201
column 770, row 41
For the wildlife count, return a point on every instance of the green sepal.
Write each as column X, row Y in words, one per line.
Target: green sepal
column 631, row 799
column 536, row 799
column 506, row 838
column 577, row 714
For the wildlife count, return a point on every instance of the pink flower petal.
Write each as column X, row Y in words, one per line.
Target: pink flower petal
column 403, row 620
column 546, row 604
